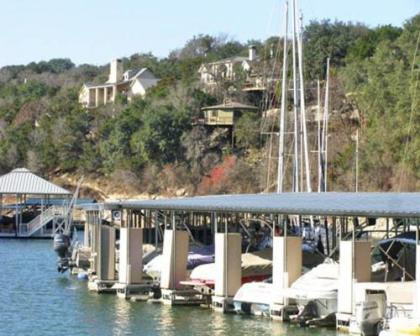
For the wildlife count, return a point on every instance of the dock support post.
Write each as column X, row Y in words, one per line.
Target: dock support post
column 287, row 268
column 130, row 279
column 105, row 260
column 228, row 277
column 354, row 267
column 416, row 299
column 95, row 226
column 106, row 269
column 174, row 263
column 86, row 230
column 175, row 253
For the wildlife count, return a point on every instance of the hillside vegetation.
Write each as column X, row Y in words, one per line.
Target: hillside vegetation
column 151, row 146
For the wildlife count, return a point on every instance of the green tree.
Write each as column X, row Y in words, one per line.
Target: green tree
column 159, row 138
column 247, row 130
column 324, row 39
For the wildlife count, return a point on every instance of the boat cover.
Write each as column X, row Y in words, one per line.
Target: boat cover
column 319, row 283
column 254, row 264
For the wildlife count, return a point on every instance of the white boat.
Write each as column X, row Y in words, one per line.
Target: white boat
column 315, row 292
column 255, row 298
column 402, row 326
column 386, row 305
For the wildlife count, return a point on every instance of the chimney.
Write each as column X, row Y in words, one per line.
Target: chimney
column 115, row 71
column 252, row 53
column 272, row 48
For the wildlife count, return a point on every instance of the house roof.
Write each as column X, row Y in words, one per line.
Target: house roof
column 133, row 74
column 92, row 85
column 230, row 105
column 131, row 79
column 22, row 181
column 234, row 59
column 139, row 73
column 137, row 76
column 325, row 204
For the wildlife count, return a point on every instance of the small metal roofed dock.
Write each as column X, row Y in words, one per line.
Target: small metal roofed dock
column 22, row 181
column 20, row 218
column 381, row 204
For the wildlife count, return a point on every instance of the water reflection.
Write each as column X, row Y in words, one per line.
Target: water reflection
column 219, row 324
column 50, row 304
column 122, row 317
column 63, row 281
column 165, row 320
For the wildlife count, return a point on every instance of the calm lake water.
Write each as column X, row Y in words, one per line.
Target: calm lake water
column 36, row 300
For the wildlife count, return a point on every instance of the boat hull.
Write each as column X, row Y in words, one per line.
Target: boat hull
column 250, row 308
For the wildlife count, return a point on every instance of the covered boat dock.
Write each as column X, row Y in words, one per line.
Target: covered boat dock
column 350, row 220
column 20, row 216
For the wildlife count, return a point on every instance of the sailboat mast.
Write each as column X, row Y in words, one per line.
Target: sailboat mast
column 302, row 105
column 295, row 102
column 325, row 128
column 319, row 135
column 280, row 172
column 357, row 161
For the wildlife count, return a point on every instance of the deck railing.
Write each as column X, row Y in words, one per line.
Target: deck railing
column 27, row 229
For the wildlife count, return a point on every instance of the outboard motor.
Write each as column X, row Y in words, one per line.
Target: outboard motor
column 62, row 248
column 61, row 245
column 308, row 313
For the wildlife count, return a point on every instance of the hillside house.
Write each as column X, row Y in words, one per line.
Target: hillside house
column 212, row 74
column 224, row 114
column 129, row 83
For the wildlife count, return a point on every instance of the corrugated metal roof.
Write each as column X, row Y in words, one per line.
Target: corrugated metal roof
column 58, row 201
column 230, row 105
column 329, row 203
column 22, row 181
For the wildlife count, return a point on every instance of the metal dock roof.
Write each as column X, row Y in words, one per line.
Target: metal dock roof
column 22, row 181
column 329, row 203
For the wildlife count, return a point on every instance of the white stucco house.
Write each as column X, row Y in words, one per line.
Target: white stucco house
column 260, row 73
column 130, row 83
column 211, row 73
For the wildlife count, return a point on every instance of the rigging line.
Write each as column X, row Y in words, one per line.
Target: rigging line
column 273, row 70
column 271, row 103
column 265, row 66
column 279, row 102
column 270, row 20
column 265, row 72
column 413, row 104
column 265, row 62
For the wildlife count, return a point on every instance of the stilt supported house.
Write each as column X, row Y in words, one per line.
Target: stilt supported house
column 226, row 114
column 31, row 207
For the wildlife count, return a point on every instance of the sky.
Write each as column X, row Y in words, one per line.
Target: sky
column 96, row 31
